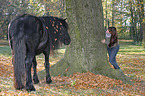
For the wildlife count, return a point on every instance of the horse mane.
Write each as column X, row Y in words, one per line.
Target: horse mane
column 53, row 25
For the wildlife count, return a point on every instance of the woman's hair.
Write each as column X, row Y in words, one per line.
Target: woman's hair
column 114, row 36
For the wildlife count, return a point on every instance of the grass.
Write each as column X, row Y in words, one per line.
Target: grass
column 4, row 42
column 130, row 58
column 5, row 50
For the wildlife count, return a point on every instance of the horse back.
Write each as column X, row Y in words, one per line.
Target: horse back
column 31, row 28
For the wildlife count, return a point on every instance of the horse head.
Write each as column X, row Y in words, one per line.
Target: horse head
column 64, row 35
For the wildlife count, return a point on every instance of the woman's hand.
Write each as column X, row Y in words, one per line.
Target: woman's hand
column 103, row 41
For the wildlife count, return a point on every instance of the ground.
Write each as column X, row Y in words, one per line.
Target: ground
column 130, row 58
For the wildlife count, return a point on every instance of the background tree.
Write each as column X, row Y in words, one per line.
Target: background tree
column 3, row 19
column 126, row 16
column 113, row 12
column 11, row 8
column 142, row 21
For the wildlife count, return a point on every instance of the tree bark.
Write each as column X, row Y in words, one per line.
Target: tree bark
column 86, row 52
column 85, row 20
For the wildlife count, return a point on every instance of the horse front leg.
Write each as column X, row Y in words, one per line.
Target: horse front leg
column 29, row 83
column 47, row 66
column 35, row 76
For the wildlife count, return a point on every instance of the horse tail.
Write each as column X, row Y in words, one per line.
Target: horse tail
column 19, row 49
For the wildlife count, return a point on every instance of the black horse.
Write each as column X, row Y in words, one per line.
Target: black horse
column 29, row 36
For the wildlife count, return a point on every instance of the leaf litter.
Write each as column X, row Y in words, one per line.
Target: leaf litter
column 77, row 82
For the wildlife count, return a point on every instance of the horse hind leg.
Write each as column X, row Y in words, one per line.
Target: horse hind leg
column 29, row 83
column 35, row 76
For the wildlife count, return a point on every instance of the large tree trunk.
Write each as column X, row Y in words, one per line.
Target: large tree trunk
column 86, row 52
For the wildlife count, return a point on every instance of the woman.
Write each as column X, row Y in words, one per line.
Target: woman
column 112, row 46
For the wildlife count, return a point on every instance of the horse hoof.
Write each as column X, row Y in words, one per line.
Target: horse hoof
column 20, row 87
column 36, row 81
column 48, row 81
column 30, row 88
